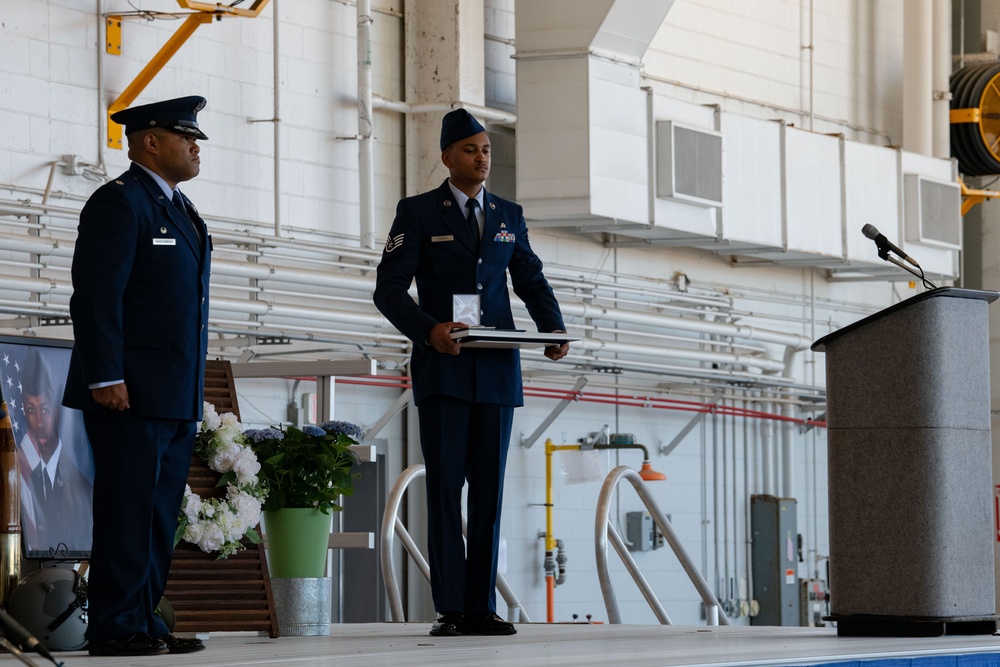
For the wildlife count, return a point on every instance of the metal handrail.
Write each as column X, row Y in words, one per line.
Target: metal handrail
column 604, row 529
column 391, row 525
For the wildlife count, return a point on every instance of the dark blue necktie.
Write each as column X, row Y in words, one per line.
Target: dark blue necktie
column 471, row 220
column 179, row 203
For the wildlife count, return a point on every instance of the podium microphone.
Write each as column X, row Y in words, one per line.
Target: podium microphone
column 884, row 244
column 20, row 634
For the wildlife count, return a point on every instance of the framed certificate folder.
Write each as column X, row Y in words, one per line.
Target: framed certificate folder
column 476, row 337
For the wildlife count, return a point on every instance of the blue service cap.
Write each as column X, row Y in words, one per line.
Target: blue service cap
column 458, row 124
column 178, row 115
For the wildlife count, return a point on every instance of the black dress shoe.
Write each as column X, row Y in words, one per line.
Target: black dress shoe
column 486, row 624
column 447, row 625
column 137, row 644
column 182, row 644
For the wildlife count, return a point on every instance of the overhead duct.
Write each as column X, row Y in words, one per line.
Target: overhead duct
column 582, row 130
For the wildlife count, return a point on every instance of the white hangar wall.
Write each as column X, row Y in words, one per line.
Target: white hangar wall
column 56, row 81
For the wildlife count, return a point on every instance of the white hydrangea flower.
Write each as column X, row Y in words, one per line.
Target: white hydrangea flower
column 224, row 457
column 194, row 531
column 226, row 521
column 247, row 508
column 192, row 505
column 212, row 538
column 246, row 466
column 229, row 422
column 210, row 420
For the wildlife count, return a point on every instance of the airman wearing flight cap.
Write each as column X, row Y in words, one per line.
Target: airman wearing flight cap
column 460, row 240
column 140, row 316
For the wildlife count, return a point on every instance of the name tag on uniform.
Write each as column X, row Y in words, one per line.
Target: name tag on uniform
column 438, row 239
column 164, row 241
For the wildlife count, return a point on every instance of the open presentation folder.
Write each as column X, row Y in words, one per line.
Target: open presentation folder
column 508, row 338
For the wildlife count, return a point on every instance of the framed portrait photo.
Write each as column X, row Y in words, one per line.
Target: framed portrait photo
column 55, row 465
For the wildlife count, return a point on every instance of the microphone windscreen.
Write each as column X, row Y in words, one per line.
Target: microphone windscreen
column 870, row 231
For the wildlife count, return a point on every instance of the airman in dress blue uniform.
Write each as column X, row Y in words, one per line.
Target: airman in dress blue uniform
column 140, row 310
column 465, row 397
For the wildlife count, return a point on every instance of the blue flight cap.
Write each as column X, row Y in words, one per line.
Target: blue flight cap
column 458, row 124
column 178, row 115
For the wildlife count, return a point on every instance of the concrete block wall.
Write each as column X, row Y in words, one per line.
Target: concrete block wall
column 754, row 51
column 50, row 54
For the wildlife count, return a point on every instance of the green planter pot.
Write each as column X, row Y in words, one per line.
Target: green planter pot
column 297, row 540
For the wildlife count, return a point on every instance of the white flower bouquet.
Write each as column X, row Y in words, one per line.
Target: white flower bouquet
column 219, row 524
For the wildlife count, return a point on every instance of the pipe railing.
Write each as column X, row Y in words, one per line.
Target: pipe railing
column 391, row 525
column 605, row 530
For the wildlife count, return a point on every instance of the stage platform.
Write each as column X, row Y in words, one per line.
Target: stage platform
column 567, row 645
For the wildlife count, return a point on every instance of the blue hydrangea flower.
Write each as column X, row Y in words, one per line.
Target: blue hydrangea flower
column 314, row 431
column 338, row 427
column 258, row 435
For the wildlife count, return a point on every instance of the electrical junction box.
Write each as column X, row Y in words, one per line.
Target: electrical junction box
column 813, row 602
column 774, row 556
column 641, row 532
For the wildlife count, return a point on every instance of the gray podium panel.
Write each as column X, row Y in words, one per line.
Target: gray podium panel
column 910, row 468
column 911, row 523
column 926, row 365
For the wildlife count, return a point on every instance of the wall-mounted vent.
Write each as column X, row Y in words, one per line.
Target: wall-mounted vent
column 933, row 212
column 688, row 164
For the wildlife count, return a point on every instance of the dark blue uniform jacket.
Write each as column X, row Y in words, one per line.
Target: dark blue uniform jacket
column 431, row 242
column 140, row 300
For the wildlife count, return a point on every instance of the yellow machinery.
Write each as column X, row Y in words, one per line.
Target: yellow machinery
column 203, row 12
column 975, row 127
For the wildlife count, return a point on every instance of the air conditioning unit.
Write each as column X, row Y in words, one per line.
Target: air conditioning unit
column 688, row 164
column 933, row 212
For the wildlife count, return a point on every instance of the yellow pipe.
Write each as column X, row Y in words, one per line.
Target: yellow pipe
column 550, row 540
column 151, row 69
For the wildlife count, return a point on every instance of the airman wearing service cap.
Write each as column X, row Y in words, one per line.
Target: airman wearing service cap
column 179, row 115
column 141, row 269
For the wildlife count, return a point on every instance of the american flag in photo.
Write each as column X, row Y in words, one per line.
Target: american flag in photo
column 12, row 363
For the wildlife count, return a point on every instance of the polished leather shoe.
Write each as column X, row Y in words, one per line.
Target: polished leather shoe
column 447, row 625
column 137, row 644
column 486, row 624
column 182, row 644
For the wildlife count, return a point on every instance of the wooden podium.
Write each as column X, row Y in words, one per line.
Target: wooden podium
column 210, row 595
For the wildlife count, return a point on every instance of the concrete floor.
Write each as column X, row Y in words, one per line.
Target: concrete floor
column 538, row 645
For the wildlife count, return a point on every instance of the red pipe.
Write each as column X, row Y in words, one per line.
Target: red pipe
column 404, row 382
column 550, row 599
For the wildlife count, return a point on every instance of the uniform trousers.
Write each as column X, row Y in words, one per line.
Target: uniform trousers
column 464, row 441
column 140, row 471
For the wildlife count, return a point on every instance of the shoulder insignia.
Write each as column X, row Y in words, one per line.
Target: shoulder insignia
column 393, row 242
column 119, row 182
column 503, row 225
column 493, row 206
column 447, row 202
